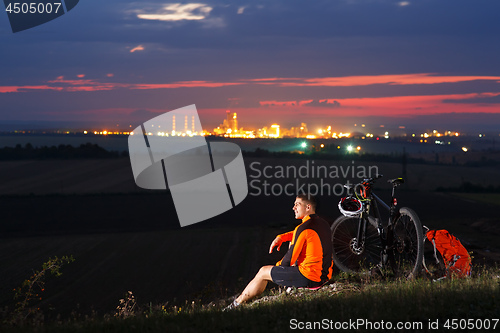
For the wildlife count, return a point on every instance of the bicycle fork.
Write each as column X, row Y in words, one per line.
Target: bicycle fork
column 386, row 235
column 358, row 244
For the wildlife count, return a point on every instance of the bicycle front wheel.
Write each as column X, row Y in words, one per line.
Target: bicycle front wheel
column 350, row 255
column 408, row 244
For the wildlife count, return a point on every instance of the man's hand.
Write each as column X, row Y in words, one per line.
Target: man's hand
column 276, row 242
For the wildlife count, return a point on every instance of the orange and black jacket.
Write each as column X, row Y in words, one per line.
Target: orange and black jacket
column 310, row 249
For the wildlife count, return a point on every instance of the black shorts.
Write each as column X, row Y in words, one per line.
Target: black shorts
column 291, row 277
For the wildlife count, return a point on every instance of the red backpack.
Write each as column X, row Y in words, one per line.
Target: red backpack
column 457, row 260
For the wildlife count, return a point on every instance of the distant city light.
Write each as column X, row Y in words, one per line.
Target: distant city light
column 465, row 149
column 349, row 148
column 230, row 129
column 276, row 129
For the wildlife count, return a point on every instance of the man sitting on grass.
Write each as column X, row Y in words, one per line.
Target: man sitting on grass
column 308, row 262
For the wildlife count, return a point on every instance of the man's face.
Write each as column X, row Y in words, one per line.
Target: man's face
column 300, row 208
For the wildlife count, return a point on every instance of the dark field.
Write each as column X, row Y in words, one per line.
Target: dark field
column 124, row 238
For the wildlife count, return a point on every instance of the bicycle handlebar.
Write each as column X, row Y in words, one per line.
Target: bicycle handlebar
column 372, row 179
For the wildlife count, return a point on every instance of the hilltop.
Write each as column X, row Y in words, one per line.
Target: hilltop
column 351, row 302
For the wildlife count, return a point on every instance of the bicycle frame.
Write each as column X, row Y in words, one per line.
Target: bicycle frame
column 385, row 233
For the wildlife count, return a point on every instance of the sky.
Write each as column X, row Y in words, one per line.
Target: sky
column 426, row 63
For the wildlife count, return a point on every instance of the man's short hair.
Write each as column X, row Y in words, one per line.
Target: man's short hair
column 310, row 199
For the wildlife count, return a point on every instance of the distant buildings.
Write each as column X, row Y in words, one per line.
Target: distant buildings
column 229, row 128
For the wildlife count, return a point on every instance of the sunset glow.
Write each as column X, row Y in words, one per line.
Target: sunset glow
column 276, row 62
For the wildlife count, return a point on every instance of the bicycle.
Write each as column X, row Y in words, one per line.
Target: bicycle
column 362, row 243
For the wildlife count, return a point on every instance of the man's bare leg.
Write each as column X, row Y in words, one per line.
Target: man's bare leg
column 257, row 285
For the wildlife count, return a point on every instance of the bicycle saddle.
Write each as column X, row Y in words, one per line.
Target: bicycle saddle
column 396, row 181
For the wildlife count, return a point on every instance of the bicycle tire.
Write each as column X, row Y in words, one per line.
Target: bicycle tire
column 345, row 256
column 408, row 243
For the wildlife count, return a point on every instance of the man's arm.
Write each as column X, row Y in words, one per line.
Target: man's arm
column 286, row 237
column 276, row 242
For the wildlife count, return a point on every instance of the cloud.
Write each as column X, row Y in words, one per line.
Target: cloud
column 320, row 84
column 184, row 84
column 241, row 10
column 137, row 48
column 179, row 12
column 394, row 105
column 324, row 103
column 84, row 85
column 483, row 98
column 279, row 103
column 364, row 80
column 15, row 89
column 62, row 84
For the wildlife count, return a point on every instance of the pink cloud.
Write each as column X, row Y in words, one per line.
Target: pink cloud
column 85, row 85
column 62, row 84
column 137, row 48
column 13, row 89
column 391, row 106
column 185, row 84
column 348, row 81
column 364, row 80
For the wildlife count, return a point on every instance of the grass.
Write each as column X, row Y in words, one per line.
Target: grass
column 349, row 298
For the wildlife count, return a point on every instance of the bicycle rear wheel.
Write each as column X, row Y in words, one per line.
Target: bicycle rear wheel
column 408, row 244
column 347, row 256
